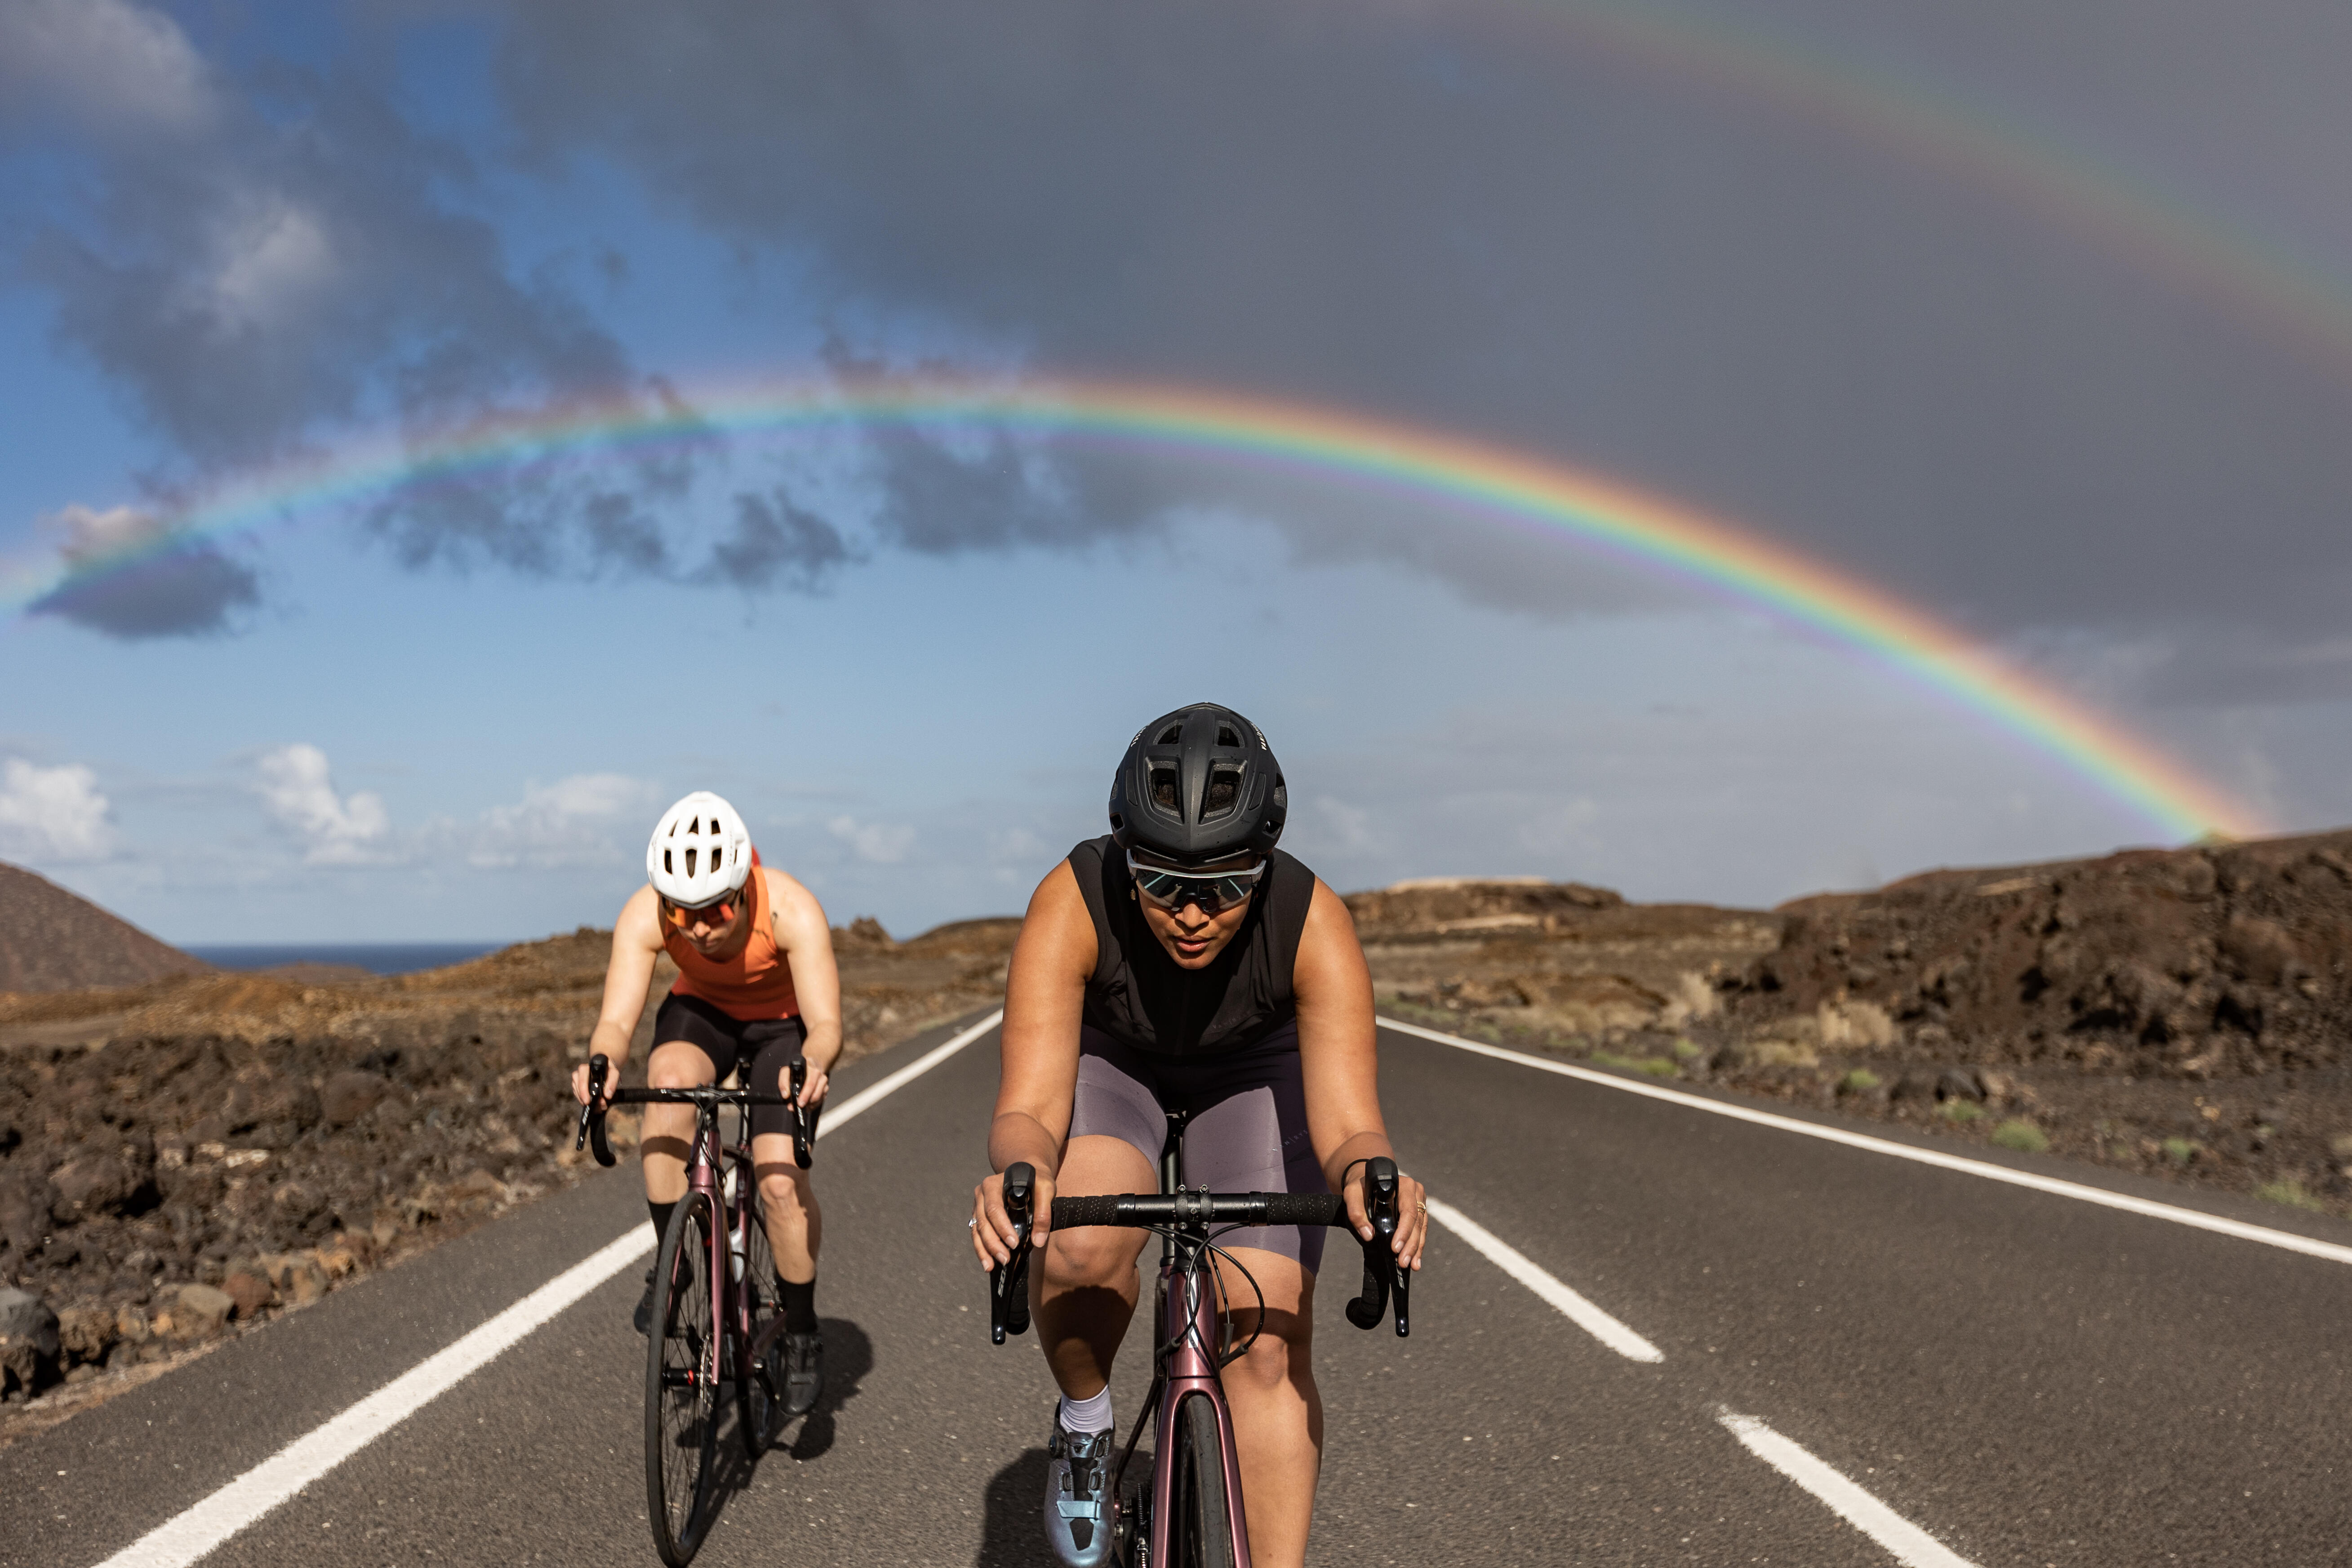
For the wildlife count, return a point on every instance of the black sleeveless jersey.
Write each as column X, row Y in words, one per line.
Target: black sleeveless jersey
column 1140, row 996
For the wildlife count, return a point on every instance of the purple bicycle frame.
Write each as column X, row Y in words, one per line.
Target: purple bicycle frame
column 1188, row 1320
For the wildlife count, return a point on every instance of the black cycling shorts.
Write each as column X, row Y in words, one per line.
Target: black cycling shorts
column 759, row 1048
column 1248, row 1131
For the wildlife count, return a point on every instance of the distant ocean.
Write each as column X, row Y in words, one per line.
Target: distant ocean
column 376, row 957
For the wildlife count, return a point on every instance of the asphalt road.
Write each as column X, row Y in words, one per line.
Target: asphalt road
column 2028, row 1379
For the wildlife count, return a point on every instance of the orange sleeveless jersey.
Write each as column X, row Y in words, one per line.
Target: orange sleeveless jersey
column 755, row 984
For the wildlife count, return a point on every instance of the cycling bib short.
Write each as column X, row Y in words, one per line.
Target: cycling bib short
column 759, row 1048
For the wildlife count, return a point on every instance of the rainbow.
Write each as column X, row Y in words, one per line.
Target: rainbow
column 1591, row 509
column 2296, row 306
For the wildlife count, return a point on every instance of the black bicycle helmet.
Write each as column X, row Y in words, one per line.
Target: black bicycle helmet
column 1196, row 785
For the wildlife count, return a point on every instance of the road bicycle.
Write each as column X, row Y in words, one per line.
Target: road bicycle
column 1189, row 1513
column 715, row 1320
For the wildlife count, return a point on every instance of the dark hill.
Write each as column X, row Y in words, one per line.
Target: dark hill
column 51, row 940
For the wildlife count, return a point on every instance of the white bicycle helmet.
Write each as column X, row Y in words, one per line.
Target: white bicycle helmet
column 699, row 853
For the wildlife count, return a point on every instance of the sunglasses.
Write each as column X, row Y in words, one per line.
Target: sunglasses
column 1171, row 889
column 715, row 913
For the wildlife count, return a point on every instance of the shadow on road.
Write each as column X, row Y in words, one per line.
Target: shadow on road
column 848, row 1357
column 1014, row 1534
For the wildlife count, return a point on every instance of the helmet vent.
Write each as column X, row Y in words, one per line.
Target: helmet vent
column 1226, row 736
column 1163, row 789
column 1223, row 794
column 1171, row 735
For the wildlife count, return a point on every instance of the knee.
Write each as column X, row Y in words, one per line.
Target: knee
column 1281, row 1354
column 785, row 1196
column 1095, row 1256
column 677, row 1069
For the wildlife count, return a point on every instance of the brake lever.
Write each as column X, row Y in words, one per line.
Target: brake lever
column 1008, row 1282
column 1381, row 1271
column 592, row 1115
column 803, row 1117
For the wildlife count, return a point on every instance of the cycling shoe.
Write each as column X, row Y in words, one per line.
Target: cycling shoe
column 804, row 1372
column 645, row 1315
column 1078, row 1506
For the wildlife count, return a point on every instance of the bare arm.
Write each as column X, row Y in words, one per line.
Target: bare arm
column 628, row 974
column 807, row 942
column 1044, row 999
column 1340, row 1059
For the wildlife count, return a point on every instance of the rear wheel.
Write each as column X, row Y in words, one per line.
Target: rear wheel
column 759, row 1394
column 682, row 1383
column 1199, row 1533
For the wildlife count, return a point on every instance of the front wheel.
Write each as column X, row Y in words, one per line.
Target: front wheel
column 682, row 1375
column 1200, row 1530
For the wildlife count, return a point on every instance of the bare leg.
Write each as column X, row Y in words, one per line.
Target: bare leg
column 1085, row 1284
column 669, row 1129
column 1277, row 1410
column 788, row 1200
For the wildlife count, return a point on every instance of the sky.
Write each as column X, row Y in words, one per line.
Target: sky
column 2038, row 321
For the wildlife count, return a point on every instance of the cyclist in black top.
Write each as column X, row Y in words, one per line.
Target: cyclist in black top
column 1182, row 961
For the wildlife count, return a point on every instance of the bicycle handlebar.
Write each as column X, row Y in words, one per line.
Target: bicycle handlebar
column 1008, row 1294
column 592, row 1115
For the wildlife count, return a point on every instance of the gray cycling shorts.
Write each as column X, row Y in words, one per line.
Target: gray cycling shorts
column 1248, row 1131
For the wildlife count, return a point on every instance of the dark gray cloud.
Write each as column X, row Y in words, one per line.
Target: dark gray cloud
column 776, row 543
column 1470, row 216
column 187, row 588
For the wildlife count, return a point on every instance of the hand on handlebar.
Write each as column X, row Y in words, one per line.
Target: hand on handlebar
column 580, row 1080
column 994, row 1235
column 1412, row 1214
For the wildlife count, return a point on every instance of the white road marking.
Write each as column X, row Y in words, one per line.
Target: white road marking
column 2286, row 1240
column 1910, row 1545
column 191, row 1535
column 835, row 1115
column 1511, row 1261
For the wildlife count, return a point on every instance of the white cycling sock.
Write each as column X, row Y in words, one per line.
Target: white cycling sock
column 1084, row 1415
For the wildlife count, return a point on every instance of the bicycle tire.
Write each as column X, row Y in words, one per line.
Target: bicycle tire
column 760, row 1387
column 682, row 1371
column 1199, row 1533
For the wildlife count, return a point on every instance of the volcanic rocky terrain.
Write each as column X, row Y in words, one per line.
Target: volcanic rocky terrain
column 190, row 1155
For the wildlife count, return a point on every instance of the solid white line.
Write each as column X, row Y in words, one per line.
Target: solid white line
column 835, row 1115
column 1911, row 1546
column 2287, row 1240
column 1511, row 1261
column 183, row 1539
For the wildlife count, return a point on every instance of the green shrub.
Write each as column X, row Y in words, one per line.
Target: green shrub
column 1861, row 1080
column 1961, row 1110
column 1687, row 1050
column 2020, row 1134
column 1655, row 1067
column 2180, row 1150
column 2291, row 1192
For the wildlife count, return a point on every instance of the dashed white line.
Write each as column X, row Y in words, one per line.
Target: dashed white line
column 1911, row 1546
column 1515, row 1263
column 191, row 1534
column 2288, row 1241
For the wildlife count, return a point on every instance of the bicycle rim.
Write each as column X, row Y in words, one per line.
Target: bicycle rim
column 681, row 1384
column 759, row 1392
column 1200, row 1534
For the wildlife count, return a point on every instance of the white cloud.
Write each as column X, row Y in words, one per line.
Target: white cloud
column 337, row 830
column 885, row 844
column 571, row 822
column 53, row 814
column 104, row 61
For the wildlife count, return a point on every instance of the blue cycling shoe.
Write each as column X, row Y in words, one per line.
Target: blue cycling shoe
column 1078, row 1506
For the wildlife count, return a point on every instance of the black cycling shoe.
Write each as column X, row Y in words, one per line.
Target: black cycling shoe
column 804, row 1372
column 645, row 1318
column 1079, row 1508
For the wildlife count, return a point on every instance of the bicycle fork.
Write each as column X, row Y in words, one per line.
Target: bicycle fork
column 1188, row 1323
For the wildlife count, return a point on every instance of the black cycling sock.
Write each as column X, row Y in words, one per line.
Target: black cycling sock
column 799, row 1305
column 661, row 1217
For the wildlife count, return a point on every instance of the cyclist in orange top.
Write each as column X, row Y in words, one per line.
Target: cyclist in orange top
column 756, row 990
